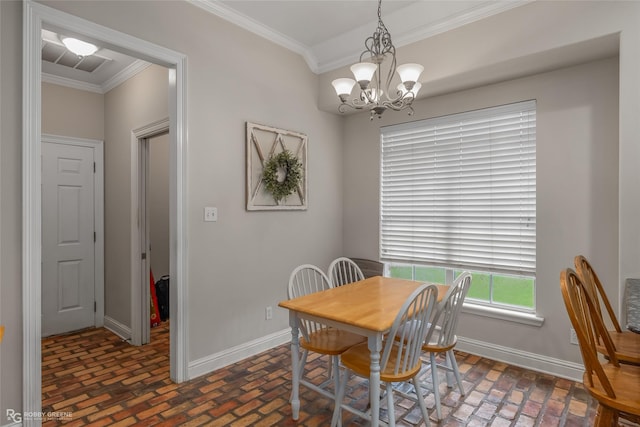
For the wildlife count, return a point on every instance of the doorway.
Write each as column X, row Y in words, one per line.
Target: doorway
column 151, row 242
column 35, row 15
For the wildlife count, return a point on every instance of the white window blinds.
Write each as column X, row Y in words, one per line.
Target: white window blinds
column 460, row 190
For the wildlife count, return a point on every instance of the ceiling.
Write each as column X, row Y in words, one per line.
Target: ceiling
column 327, row 33
column 99, row 73
column 330, row 33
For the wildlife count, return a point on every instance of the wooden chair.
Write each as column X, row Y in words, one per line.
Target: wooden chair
column 400, row 358
column 444, row 338
column 626, row 343
column 306, row 279
column 343, row 270
column 612, row 384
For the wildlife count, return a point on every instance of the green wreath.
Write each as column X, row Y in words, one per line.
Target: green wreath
column 290, row 164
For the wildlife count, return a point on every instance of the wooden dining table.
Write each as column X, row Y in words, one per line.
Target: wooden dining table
column 367, row 307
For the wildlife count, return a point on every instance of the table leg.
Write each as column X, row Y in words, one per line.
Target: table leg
column 375, row 345
column 295, row 368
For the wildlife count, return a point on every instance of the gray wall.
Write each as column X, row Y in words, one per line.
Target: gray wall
column 158, row 201
column 72, row 112
column 577, row 189
column 141, row 100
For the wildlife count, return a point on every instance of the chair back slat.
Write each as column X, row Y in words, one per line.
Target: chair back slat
column 343, row 270
column 448, row 310
column 304, row 280
column 583, row 313
column 594, row 287
column 409, row 330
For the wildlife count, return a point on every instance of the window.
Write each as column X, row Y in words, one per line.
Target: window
column 458, row 193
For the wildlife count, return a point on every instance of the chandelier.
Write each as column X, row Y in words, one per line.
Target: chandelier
column 374, row 74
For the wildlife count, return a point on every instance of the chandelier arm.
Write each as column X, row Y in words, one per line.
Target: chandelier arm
column 356, row 104
column 406, row 98
column 399, row 104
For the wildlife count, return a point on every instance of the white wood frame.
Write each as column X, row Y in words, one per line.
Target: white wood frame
column 255, row 155
column 34, row 15
column 98, row 209
column 140, row 328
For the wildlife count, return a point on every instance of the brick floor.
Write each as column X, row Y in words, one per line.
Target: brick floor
column 96, row 379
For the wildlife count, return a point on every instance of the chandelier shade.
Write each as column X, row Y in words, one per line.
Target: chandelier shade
column 343, row 86
column 363, row 72
column 414, row 90
column 374, row 75
column 409, row 73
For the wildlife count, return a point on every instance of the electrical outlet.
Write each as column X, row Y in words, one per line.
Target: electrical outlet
column 210, row 214
column 573, row 338
column 268, row 313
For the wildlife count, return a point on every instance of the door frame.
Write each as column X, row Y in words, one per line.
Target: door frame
column 34, row 15
column 98, row 213
column 140, row 325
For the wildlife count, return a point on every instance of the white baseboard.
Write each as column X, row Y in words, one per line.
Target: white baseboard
column 535, row 362
column 235, row 354
column 117, row 328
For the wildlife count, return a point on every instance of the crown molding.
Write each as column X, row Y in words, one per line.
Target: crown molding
column 477, row 13
column 74, row 84
column 136, row 67
column 411, row 16
column 249, row 24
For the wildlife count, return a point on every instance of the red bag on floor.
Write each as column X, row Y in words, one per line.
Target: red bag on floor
column 155, row 315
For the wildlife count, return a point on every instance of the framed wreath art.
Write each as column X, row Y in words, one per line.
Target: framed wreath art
column 276, row 168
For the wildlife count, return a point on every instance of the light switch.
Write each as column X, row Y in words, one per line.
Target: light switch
column 210, row 214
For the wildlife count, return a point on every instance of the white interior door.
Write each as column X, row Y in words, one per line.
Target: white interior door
column 68, row 238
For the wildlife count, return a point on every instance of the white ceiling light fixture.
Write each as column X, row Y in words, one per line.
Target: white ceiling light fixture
column 378, row 61
column 79, row 47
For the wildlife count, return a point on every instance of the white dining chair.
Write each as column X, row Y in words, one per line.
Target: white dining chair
column 306, row 279
column 400, row 358
column 344, row 270
column 443, row 338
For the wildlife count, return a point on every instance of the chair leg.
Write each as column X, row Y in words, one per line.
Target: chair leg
column 605, row 417
column 337, row 381
column 436, row 384
column 390, row 406
column 335, row 363
column 303, row 361
column 336, row 419
column 454, row 367
column 423, row 407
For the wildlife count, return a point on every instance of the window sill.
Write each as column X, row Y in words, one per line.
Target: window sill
column 502, row 314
